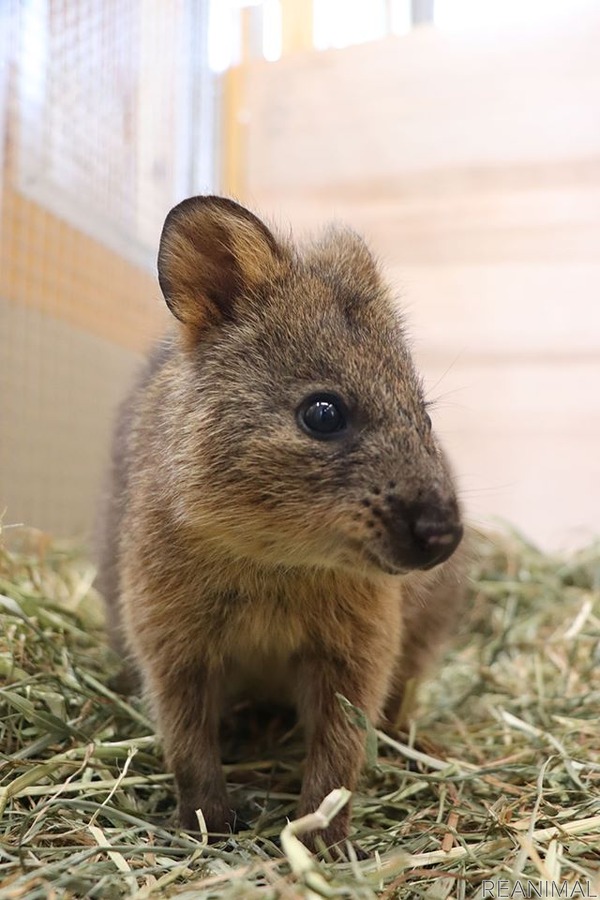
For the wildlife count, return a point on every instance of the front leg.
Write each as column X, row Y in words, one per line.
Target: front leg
column 335, row 746
column 187, row 701
column 432, row 604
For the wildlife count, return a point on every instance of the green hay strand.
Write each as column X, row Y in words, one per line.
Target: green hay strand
column 499, row 777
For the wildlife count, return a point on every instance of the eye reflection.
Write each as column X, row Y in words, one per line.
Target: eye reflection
column 323, row 416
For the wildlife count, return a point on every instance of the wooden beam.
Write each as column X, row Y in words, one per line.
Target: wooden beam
column 296, row 25
column 233, row 133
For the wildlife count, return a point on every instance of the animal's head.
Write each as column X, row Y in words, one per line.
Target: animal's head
column 305, row 435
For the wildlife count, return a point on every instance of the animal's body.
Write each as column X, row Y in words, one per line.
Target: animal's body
column 281, row 517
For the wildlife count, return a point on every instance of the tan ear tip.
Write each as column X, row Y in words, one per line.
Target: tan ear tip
column 205, row 203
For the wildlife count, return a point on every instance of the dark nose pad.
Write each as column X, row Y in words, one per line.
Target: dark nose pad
column 436, row 534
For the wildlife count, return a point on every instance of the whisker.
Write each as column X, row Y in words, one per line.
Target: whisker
column 448, row 369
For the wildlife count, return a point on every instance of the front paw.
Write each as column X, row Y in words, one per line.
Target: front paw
column 331, row 841
column 220, row 819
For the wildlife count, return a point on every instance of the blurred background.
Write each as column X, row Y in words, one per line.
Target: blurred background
column 462, row 137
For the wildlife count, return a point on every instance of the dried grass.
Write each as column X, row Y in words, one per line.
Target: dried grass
column 499, row 778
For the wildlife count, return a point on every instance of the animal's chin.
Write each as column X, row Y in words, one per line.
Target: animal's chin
column 396, row 567
column 357, row 557
column 384, row 565
column 390, row 568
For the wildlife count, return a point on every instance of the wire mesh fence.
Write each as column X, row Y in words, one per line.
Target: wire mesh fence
column 100, row 106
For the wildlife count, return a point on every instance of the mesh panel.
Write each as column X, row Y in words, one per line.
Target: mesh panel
column 104, row 103
column 100, row 106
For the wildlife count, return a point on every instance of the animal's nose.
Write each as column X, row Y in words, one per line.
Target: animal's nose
column 436, row 533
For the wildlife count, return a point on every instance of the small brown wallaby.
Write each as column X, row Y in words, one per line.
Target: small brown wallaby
column 281, row 516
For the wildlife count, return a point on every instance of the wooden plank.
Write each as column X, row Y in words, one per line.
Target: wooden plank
column 427, row 100
column 233, row 133
column 506, row 311
column 296, row 26
column 501, row 217
column 471, row 164
column 524, row 438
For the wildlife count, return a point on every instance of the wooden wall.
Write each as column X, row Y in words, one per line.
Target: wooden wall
column 472, row 164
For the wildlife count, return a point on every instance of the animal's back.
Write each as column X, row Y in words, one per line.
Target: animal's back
column 113, row 505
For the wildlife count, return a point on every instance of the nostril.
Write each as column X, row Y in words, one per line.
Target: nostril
column 436, row 536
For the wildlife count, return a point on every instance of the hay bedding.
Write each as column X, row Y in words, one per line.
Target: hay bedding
column 498, row 783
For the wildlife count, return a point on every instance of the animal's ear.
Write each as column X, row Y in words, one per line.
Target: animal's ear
column 212, row 251
column 344, row 252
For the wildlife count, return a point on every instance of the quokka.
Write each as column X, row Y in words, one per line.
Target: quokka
column 281, row 514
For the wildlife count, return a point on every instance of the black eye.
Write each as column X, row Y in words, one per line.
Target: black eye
column 323, row 416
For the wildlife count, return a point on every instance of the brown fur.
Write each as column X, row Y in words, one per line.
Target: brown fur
column 239, row 552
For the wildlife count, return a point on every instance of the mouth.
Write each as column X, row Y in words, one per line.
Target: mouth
column 413, row 563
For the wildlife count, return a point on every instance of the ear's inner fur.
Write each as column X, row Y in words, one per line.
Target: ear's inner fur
column 212, row 251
